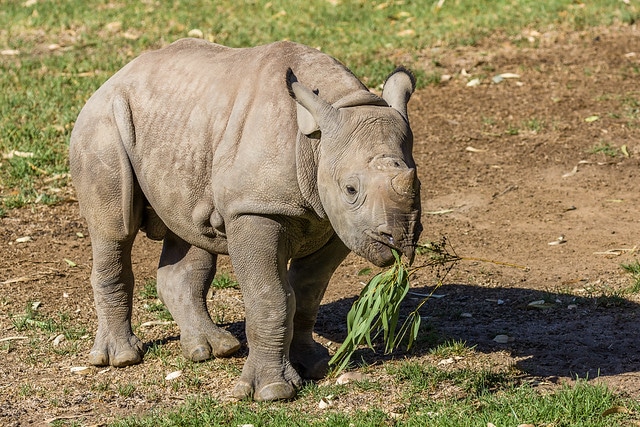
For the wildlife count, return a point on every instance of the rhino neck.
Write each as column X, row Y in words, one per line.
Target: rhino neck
column 307, row 171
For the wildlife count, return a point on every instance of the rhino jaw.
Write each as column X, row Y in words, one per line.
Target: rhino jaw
column 383, row 243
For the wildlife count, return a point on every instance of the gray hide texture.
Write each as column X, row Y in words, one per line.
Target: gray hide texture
column 276, row 155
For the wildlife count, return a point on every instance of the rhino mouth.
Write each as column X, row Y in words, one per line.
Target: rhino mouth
column 387, row 241
column 384, row 238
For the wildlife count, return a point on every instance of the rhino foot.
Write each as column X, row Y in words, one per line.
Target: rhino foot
column 118, row 353
column 310, row 359
column 263, row 385
column 270, row 392
column 216, row 343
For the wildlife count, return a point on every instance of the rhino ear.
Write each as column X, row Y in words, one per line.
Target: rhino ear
column 313, row 113
column 398, row 89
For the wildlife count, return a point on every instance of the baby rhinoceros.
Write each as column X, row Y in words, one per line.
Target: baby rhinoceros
column 275, row 155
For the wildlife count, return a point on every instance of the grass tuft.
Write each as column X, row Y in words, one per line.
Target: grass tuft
column 634, row 270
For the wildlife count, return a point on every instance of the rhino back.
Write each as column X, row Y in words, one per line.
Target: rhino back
column 211, row 132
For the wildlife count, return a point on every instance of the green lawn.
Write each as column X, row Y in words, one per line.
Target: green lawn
column 55, row 53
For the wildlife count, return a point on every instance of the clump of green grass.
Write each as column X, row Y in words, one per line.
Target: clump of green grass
column 451, row 348
column 605, row 148
column 224, row 281
column 634, row 270
column 149, row 292
column 34, row 320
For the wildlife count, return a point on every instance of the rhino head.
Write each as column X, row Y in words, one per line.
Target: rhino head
column 366, row 176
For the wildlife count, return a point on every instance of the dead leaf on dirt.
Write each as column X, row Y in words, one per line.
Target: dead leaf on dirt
column 625, row 151
column 71, row 263
column 326, row 402
column 473, row 82
column 503, row 339
column 422, row 295
column 80, row 370
column 406, row 33
column 57, row 340
column 450, row 360
column 196, row 33
column 617, row 252
column 10, row 52
column 559, row 241
column 113, row 27
column 541, row 304
column 475, row 150
column 440, row 212
column 23, row 239
column 591, row 119
column 129, row 35
column 573, row 172
column 157, row 323
column 348, row 377
column 15, row 153
column 615, row 410
column 500, row 77
column 173, row 375
column 13, row 338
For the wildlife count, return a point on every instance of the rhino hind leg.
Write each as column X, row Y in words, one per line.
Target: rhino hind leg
column 111, row 201
column 184, row 277
column 115, row 343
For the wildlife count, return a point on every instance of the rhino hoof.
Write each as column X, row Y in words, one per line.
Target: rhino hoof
column 276, row 391
column 226, row 346
column 120, row 360
column 242, row 390
column 200, row 354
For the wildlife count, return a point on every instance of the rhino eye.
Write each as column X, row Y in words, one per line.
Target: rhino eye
column 351, row 190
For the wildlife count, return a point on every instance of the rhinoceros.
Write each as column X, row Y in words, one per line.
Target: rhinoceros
column 276, row 155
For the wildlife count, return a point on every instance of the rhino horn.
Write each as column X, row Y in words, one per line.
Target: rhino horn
column 403, row 183
column 398, row 89
column 313, row 112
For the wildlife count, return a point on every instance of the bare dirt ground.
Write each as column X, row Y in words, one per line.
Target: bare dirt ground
column 507, row 168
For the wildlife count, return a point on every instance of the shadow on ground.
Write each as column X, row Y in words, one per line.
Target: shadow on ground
column 571, row 336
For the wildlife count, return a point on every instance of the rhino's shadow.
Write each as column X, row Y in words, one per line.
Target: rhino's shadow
column 574, row 336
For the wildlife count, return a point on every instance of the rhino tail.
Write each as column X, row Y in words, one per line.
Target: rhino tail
column 131, row 215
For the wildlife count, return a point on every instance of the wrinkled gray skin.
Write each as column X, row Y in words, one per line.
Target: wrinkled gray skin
column 227, row 151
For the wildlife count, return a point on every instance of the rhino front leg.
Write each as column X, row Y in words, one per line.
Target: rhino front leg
column 309, row 277
column 259, row 249
column 184, row 277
